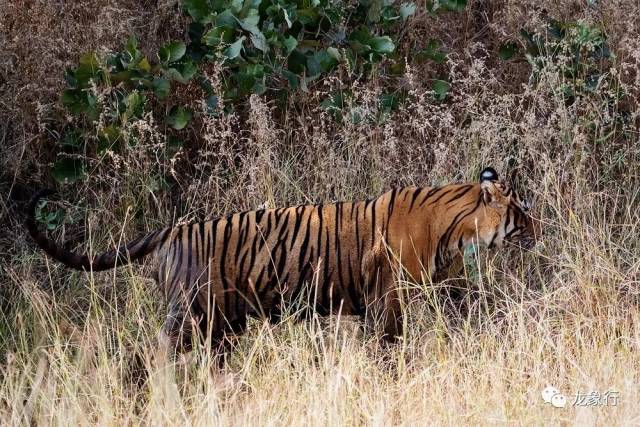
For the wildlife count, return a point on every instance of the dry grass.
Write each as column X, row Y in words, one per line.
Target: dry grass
column 77, row 349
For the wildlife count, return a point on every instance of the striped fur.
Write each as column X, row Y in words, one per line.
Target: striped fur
column 331, row 257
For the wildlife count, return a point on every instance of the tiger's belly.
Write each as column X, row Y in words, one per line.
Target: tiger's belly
column 293, row 288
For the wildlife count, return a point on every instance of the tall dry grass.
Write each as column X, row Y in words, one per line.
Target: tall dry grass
column 82, row 349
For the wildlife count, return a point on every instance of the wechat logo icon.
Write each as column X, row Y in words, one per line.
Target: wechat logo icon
column 553, row 396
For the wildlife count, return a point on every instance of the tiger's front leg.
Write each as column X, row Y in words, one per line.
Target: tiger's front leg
column 382, row 296
column 454, row 287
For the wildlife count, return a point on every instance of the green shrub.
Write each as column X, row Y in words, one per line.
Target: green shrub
column 269, row 48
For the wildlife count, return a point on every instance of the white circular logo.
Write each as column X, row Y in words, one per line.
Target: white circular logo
column 559, row 401
column 548, row 393
column 552, row 395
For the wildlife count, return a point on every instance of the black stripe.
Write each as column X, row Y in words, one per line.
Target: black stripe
column 337, row 242
column 223, row 262
column 174, row 281
column 214, row 237
column 351, row 289
column 464, row 191
column 390, row 211
column 264, row 236
column 416, row 193
column 442, row 247
column 297, row 224
column 243, row 230
column 327, row 273
column 373, row 221
column 305, row 242
column 358, row 242
column 429, row 194
column 259, row 214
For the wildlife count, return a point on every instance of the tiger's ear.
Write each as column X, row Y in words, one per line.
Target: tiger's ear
column 488, row 174
column 491, row 194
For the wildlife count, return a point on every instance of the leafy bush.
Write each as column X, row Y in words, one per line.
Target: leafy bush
column 265, row 45
column 579, row 55
column 578, row 50
column 105, row 94
column 261, row 47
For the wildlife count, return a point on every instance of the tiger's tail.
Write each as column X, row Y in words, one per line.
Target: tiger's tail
column 123, row 255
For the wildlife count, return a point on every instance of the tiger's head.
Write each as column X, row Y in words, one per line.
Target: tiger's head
column 503, row 217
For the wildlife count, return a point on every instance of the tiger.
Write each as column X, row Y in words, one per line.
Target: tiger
column 338, row 257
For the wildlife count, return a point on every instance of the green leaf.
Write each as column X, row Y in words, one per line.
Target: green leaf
column 233, row 50
column 259, row 88
column 382, row 44
column 256, row 70
column 290, row 43
column 174, row 142
column 390, row 101
column 250, row 24
column 182, row 72
column 68, row 170
column 212, row 103
column 507, row 50
column 51, row 220
column 144, row 65
column 172, row 51
column 601, row 52
column 291, row 78
column 356, row 115
column 251, row 20
column 135, row 104
column 308, row 16
column 406, row 10
column 432, row 52
column 441, row 88
column 453, row 5
column 132, row 46
column 245, row 82
column 179, row 117
column 296, row 62
column 362, row 35
column 375, row 10
column 72, row 139
column 259, row 41
column 226, row 19
column 335, row 101
column 326, row 61
column 335, row 53
column 108, row 138
column 556, row 28
column 173, row 145
column 236, row 5
column 161, row 87
column 218, row 35
column 88, row 68
column 197, row 9
column 79, row 101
